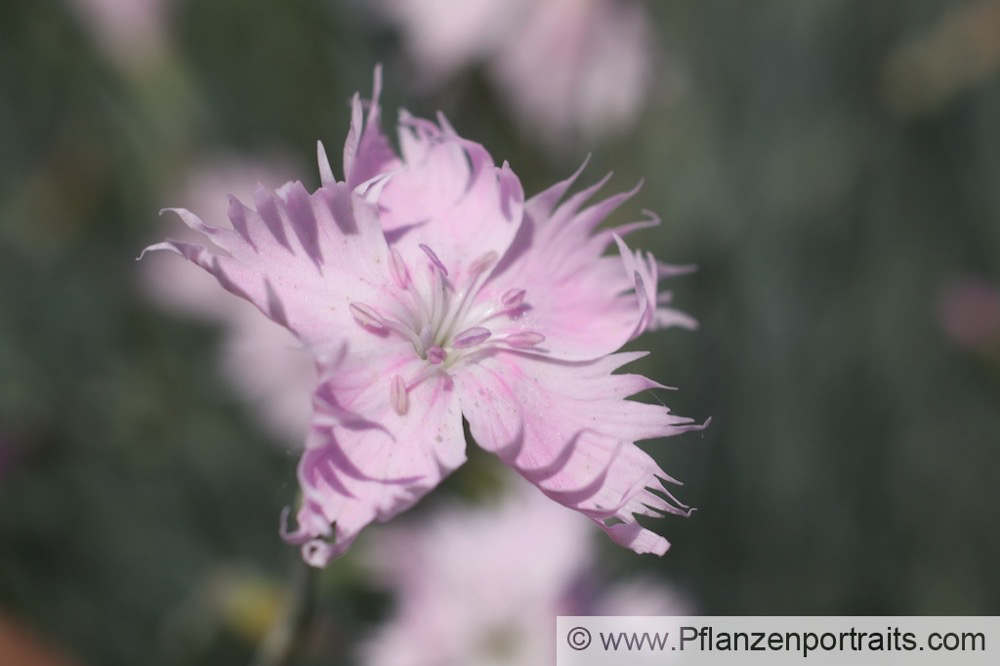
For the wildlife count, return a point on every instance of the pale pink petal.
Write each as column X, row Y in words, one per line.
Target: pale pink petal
column 450, row 197
column 568, row 428
column 642, row 268
column 587, row 304
column 367, row 153
column 301, row 259
column 668, row 317
column 368, row 457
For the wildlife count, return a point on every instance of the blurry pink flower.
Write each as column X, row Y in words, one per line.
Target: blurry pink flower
column 445, row 37
column 264, row 362
column 566, row 67
column 577, row 67
column 478, row 558
column 969, row 312
column 129, row 30
column 428, row 291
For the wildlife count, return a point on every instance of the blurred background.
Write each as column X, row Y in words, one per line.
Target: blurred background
column 832, row 168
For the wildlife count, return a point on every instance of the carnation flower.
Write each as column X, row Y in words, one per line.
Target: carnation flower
column 566, row 68
column 429, row 291
column 129, row 30
column 969, row 312
column 597, row 57
column 464, row 558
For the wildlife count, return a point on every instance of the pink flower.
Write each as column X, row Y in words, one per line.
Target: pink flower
column 566, row 68
column 429, row 291
column 129, row 30
column 969, row 312
column 475, row 558
column 596, row 63
column 444, row 37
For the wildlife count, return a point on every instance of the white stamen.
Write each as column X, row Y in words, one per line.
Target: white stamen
column 466, row 297
column 366, row 315
column 400, row 398
column 439, row 297
column 471, row 337
column 444, row 321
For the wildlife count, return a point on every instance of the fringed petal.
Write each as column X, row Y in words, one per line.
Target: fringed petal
column 568, row 428
column 583, row 301
column 366, row 458
column 300, row 258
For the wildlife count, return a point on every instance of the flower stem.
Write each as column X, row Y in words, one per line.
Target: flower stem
column 285, row 636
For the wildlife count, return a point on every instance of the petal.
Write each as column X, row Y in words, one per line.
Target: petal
column 367, row 153
column 365, row 460
column 586, row 304
column 568, row 428
column 449, row 196
column 300, row 258
column 665, row 316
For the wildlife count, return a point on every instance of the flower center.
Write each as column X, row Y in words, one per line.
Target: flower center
column 446, row 323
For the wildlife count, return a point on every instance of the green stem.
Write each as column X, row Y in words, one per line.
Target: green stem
column 285, row 636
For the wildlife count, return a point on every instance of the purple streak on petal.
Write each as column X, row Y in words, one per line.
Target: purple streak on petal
column 303, row 222
column 275, row 310
column 238, row 218
column 434, row 258
column 367, row 152
column 267, row 210
column 577, row 432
